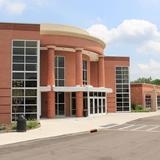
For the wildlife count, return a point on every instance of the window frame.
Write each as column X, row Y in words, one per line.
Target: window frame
column 20, row 87
column 85, row 72
column 57, row 67
column 122, row 88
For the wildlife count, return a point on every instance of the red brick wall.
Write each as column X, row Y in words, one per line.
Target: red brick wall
column 94, row 74
column 7, row 34
column 68, row 41
column 110, row 78
column 136, row 94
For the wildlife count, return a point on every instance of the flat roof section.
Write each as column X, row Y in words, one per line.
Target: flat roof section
column 19, row 26
column 116, row 58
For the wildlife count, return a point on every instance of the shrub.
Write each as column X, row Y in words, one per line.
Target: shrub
column 2, row 127
column 12, row 127
column 32, row 124
column 138, row 108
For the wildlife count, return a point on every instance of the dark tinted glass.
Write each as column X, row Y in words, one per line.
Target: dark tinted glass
column 60, row 82
column 18, row 75
column 18, row 59
column 61, row 97
column 17, row 92
column 31, row 44
column 31, row 75
column 31, row 59
column 61, row 73
column 31, row 108
column 18, row 43
column 31, row 51
column 17, row 100
column 85, row 65
column 18, row 51
column 17, row 109
column 31, row 92
column 30, row 100
column 31, row 67
column 31, row 83
column 17, row 83
column 61, row 109
column 18, row 67
column 60, row 61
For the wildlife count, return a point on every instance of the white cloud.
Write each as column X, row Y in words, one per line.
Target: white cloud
column 153, row 65
column 17, row 7
column 132, row 32
column 150, row 68
column 133, row 36
column 12, row 7
column 150, row 47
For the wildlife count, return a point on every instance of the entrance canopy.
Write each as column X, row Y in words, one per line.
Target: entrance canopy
column 82, row 89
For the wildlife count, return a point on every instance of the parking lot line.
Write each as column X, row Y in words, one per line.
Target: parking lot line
column 152, row 128
column 138, row 128
column 126, row 127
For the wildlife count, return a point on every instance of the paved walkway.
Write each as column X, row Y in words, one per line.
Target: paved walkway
column 57, row 127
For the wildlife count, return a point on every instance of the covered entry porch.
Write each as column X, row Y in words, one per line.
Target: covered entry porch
column 78, row 101
column 81, row 101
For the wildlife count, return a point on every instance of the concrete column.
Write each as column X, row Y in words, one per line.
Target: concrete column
column 51, row 82
column 79, row 65
column 154, row 101
column 79, row 104
column 101, row 72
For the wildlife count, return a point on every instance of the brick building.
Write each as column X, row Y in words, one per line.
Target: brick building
column 147, row 95
column 57, row 71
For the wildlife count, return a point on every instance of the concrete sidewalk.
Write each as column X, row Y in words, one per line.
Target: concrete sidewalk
column 57, row 127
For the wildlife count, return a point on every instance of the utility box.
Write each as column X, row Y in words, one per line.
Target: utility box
column 21, row 124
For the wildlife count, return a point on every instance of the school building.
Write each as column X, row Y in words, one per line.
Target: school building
column 146, row 95
column 50, row 71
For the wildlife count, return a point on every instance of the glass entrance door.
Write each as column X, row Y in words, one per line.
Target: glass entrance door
column 97, row 105
column 60, row 105
column 73, row 104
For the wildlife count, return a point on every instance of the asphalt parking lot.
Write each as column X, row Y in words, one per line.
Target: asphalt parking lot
column 151, row 124
column 136, row 140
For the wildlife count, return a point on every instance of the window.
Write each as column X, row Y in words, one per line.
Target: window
column 24, row 79
column 59, row 71
column 85, row 72
column 158, row 102
column 97, row 102
column 148, row 101
column 59, row 103
column 122, row 89
column 85, row 101
column 73, row 103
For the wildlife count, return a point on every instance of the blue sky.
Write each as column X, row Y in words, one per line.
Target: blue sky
column 130, row 28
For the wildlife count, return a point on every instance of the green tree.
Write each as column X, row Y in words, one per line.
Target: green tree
column 147, row 80
column 143, row 80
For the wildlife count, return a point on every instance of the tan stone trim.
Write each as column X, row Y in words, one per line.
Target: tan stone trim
column 79, row 49
column 51, row 46
column 64, row 30
column 43, row 48
column 65, row 49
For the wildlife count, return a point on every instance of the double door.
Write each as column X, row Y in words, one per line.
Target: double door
column 97, row 105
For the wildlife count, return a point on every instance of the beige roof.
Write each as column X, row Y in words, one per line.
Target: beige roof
column 56, row 29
